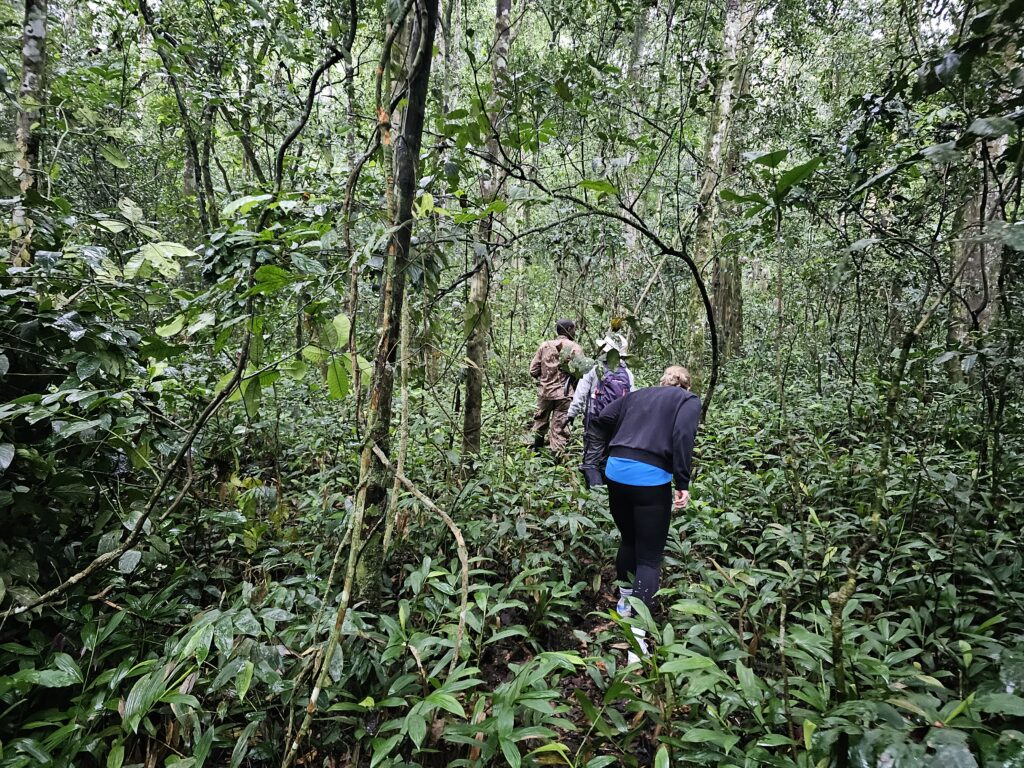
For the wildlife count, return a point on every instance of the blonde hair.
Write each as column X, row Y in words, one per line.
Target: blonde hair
column 675, row 376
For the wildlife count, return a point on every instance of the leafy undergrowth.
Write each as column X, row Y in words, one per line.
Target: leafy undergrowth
column 204, row 653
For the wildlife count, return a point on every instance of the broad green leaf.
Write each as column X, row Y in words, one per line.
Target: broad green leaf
column 661, row 759
column 244, row 679
column 767, row 159
column 992, row 127
column 242, row 745
column 1000, row 704
column 171, row 328
column 601, row 186
column 86, row 367
column 163, row 257
column 115, row 758
column 129, row 561
column 809, row 728
column 244, row 204
column 337, row 380
column 343, row 327
column 271, row 278
column 113, row 226
column 205, row 320
column 6, row 455
column 130, row 209
column 795, row 176
column 722, row 739
column 315, row 354
column 690, row 663
column 113, row 156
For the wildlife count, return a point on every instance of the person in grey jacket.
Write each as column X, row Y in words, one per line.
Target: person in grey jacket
column 593, row 393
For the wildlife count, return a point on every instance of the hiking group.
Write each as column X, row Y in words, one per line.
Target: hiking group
column 637, row 442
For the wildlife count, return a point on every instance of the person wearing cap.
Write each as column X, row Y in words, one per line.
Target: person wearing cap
column 607, row 381
column 555, row 387
column 650, row 436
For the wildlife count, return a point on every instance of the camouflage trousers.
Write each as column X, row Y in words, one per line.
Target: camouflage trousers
column 551, row 419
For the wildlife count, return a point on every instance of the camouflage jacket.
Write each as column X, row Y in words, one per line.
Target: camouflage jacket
column 552, row 382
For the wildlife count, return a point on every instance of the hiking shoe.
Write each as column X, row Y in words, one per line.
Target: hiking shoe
column 623, row 608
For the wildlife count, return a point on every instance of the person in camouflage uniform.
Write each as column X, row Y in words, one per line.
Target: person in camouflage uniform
column 555, row 387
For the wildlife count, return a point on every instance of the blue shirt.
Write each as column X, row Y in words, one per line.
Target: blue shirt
column 630, row 472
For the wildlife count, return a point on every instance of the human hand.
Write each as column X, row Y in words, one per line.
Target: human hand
column 681, row 500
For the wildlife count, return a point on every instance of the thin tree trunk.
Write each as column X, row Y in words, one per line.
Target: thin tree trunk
column 738, row 20
column 26, row 126
column 371, row 497
column 477, row 314
column 207, row 128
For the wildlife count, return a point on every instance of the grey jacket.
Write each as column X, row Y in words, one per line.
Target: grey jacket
column 585, row 389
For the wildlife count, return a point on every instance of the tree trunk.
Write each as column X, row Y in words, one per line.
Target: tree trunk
column 372, row 495
column 738, row 20
column 26, row 126
column 477, row 315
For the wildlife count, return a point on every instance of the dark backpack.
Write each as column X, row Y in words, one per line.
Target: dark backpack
column 608, row 389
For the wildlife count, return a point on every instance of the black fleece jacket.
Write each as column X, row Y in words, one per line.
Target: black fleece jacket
column 657, row 426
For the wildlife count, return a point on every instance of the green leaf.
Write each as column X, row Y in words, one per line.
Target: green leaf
column 242, row 745
column 809, row 728
column 337, row 380
column 992, row 127
column 794, row 176
column 942, row 154
column 416, row 726
column 113, row 225
column 767, row 159
column 244, row 679
column 511, row 752
column 691, row 663
column 735, row 197
column 162, row 256
column 129, row 561
column 245, row 204
column 343, row 327
column 204, row 321
column 86, row 367
column 203, row 747
column 661, row 759
column 115, row 758
column 271, row 278
column 113, row 156
column 315, row 354
column 130, row 209
column 1000, row 704
column 601, row 186
column 5, row 365
column 6, row 455
column 724, row 740
column 172, row 328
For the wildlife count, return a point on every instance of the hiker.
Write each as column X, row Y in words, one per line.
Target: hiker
column 596, row 390
column 650, row 436
column 555, row 387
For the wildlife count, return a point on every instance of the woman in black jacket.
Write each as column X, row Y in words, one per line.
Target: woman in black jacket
column 650, row 447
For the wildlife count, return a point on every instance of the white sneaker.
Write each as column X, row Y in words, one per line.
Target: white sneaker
column 623, row 608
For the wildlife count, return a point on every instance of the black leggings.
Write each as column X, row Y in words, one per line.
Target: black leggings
column 642, row 515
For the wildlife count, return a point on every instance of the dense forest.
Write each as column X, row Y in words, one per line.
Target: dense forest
column 275, row 276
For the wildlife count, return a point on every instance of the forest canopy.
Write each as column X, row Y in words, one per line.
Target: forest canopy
column 276, row 271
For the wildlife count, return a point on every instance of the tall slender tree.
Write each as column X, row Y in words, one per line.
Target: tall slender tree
column 372, row 496
column 29, row 116
column 491, row 182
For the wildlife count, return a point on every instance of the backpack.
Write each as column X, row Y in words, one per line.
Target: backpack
column 608, row 389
